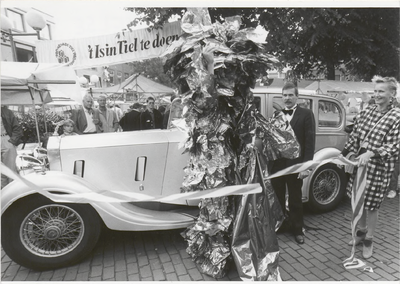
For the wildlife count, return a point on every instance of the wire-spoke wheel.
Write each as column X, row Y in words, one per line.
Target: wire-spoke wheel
column 40, row 234
column 52, row 230
column 327, row 188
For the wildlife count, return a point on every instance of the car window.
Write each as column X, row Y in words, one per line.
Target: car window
column 329, row 114
column 277, row 103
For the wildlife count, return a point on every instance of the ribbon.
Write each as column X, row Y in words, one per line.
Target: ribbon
column 123, row 196
column 357, row 198
column 357, row 206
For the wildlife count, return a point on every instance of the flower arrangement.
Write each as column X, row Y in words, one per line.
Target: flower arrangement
column 28, row 123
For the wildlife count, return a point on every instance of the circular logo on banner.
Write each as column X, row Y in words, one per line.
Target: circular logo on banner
column 65, row 53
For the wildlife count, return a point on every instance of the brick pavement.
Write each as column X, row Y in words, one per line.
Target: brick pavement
column 161, row 255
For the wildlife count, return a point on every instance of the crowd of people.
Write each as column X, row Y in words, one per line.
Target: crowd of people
column 88, row 119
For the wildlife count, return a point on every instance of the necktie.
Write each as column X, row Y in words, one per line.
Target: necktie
column 288, row 111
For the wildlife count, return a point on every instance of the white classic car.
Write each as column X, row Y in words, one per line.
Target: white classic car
column 41, row 234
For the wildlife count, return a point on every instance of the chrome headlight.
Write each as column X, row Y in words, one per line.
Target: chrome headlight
column 27, row 164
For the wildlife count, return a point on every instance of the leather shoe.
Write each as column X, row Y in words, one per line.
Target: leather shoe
column 299, row 239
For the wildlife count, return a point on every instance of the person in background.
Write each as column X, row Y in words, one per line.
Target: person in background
column 68, row 128
column 11, row 134
column 107, row 116
column 167, row 112
column 161, row 109
column 151, row 118
column 86, row 118
column 366, row 100
column 375, row 142
column 131, row 120
column 119, row 113
column 302, row 122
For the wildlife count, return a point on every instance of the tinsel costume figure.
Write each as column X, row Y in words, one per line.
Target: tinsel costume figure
column 214, row 67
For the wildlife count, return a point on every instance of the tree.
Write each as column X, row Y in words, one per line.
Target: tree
column 153, row 69
column 361, row 42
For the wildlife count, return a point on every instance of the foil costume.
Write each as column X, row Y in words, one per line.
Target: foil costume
column 223, row 125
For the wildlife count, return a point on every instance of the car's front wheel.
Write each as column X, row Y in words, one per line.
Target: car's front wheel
column 40, row 234
column 327, row 188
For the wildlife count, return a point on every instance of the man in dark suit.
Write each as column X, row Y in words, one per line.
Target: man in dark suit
column 86, row 118
column 303, row 124
column 131, row 120
column 151, row 118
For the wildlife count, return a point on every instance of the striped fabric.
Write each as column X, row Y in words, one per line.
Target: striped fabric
column 357, row 206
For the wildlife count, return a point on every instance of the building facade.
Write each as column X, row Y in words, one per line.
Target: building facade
column 24, row 45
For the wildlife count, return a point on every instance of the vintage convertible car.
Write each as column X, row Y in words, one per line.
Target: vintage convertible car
column 42, row 234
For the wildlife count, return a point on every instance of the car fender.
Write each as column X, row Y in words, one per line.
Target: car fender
column 54, row 181
column 122, row 216
column 322, row 154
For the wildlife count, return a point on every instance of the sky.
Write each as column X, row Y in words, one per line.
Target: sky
column 79, row 19
column 86, row 18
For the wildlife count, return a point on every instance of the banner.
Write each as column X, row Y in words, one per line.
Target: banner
column 109, row 49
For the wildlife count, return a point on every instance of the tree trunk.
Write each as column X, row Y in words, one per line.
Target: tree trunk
column 330, row 68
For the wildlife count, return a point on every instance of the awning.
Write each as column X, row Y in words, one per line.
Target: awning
column 24, row 83
column 136, row 83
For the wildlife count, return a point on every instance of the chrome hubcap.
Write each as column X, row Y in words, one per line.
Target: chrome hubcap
column 52, row 230
column 326, row 186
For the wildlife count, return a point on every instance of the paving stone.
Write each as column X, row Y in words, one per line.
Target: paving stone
column 158, row 275
column 71, row 273
column 108, row 272
column 184, row 278
column 143, row 261
column 33, row 276
column 168, row 267
column 46, row 276
column 172, row 277
column 84, row 276
column 195, row 274
column 133, row 277
column 145, row 271
column 120, row 265
column 121, row 276
column 21, row 275
column 132, row 268
column 176, row 259
column 180, row 269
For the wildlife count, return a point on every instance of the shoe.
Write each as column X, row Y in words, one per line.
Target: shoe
column 391, row 194
column 360, row 236
column 367, row 248
column 299, row 239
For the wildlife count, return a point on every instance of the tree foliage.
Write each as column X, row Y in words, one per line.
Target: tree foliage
column 153, row 69
column 361, row 42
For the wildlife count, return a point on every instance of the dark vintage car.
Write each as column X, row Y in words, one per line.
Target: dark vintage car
column 42, row 233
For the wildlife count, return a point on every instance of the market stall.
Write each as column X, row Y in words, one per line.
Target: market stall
column 25, row 84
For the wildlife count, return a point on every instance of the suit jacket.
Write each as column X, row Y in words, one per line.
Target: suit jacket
column 130, row 121
column 146, row 121
column 12, row 126
column 303, row 125
column 78, row 116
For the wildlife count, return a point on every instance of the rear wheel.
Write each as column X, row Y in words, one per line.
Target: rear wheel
column 40, row 234
column 327, row 188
